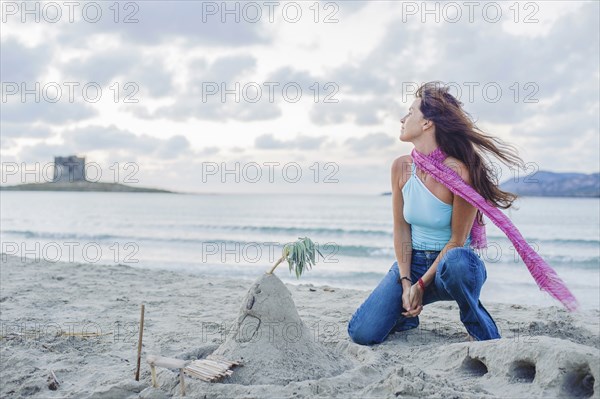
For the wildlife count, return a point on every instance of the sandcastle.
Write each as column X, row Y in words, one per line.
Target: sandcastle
column 271, row 340
column 273, row 343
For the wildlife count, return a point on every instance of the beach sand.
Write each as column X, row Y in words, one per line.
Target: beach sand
column 543, row 352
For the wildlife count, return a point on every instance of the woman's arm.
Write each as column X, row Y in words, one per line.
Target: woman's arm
column 463, row 216
column 402, row 235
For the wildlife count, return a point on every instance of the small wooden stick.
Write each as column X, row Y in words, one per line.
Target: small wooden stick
column 199, row 372
column 210, row 367
column 213, row 363
column 275, row 265
column 153, row 372
column 198, row 375
column 182, row 382
column 139, row 354
column 54, row 376
column 223, row 360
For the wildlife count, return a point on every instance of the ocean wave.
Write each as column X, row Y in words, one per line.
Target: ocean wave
column 296, row 230
column 299, row 231
column 63, row 236
column 547, row 241
column 330, row 249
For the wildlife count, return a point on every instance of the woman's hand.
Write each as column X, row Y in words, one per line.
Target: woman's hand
column 406, row 295
column 415, row 301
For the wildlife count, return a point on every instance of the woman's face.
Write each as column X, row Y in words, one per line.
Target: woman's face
column 412, row 123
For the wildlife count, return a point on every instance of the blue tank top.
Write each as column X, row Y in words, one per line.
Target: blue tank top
column 429, row 217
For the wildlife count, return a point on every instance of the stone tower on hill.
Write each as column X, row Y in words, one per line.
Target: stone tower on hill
column 69, row 169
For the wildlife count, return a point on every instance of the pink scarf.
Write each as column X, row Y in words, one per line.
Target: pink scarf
column 545, row 277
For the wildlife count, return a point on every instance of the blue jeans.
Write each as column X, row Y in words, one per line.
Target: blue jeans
column 459, row 277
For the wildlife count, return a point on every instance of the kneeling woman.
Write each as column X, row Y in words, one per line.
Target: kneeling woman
column 438, row 195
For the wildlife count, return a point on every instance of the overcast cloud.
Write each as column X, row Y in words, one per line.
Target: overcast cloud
column 176, row 86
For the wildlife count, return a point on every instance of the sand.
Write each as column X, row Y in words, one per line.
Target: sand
column 544, row 352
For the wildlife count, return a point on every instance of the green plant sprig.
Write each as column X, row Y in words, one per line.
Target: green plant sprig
column 300, row 255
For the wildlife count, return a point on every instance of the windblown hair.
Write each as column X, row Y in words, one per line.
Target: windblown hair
column 458, row 137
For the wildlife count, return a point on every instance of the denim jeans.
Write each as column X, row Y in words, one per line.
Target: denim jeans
column 459, row 277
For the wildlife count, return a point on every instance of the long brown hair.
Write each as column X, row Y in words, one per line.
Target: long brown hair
column 458, row 137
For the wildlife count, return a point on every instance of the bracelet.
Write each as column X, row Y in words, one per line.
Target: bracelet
column 405, row 278
column 421, row 284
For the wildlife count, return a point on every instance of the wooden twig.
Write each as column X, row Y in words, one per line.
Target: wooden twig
column 139, row 353
column 215, row 368
column 223, row 361
column 199, row 374
column 181, row 382
column 211, row 368
column 169, row 363
column 153, row 374
column 53, row 382
column 275, row 265
column 54, row 376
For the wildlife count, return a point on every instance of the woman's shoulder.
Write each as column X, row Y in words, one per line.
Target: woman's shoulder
column 402, row 161
column 401, row 168
column 459, row 167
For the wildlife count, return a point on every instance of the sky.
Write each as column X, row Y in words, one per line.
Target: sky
column 287, row 97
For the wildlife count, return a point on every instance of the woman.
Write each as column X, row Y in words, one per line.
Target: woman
column 433, row 228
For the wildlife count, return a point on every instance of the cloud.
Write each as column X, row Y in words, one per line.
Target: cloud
column 6, row 143
column 171, row 53
column 536, row 67
column 151, row 80
column 102, row 66
column 112, row 140
column 21, row 70
column 288, row 74
column 44, row 152
column 302, row 142
column 562, row 130
column 16, row 130
column 224, row 69
column 206, row 151
column 58, row 113
column 108, row 138
column 370, row 142
column 174, row 147
column 219, row 91
column 214, row 111
column 152, row 22
column 362, row 113
column 345, row 7
column 468, row 55
column 362, row 81
column 19, row 63
column 129, row 65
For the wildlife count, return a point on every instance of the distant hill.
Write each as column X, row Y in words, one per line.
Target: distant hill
column 553, row 184
column 81, row 186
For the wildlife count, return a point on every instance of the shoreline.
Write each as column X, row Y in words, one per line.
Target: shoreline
column 189, row 315
column 506, row 283
column 498, row 289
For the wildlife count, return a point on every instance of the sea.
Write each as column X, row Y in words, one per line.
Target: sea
column 240, row 236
